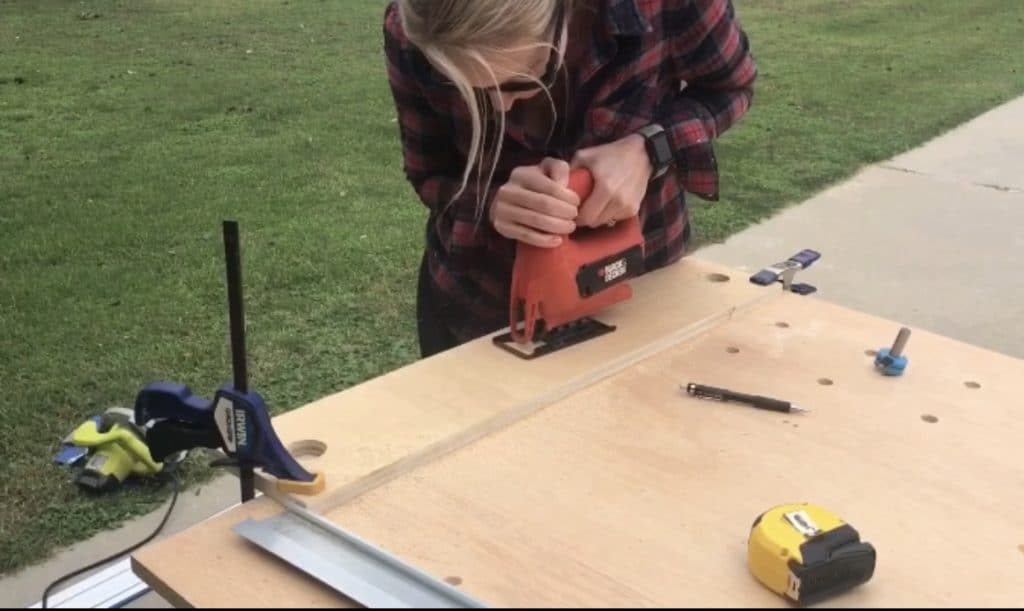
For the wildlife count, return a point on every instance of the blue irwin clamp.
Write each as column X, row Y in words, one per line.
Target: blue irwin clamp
column 235, row 422
column 785, row 270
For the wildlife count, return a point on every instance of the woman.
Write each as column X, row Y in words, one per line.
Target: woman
column 497, row 99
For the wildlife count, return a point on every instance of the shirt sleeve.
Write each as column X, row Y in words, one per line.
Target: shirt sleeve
column 712, row 59
column 431, row 162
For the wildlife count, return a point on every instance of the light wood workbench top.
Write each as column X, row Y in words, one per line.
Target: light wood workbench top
column 586, row 477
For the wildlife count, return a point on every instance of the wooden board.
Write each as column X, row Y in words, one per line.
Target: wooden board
column 621, row 490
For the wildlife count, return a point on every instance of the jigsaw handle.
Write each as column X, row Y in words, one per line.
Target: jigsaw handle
column 581, row 182
column 526, row 310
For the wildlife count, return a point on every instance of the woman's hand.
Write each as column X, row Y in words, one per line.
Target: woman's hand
column 621, row 172
column 535, row 205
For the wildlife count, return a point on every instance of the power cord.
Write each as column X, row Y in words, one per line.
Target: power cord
column 174, row 499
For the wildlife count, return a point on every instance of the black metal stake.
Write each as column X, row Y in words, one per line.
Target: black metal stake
column 236, row 315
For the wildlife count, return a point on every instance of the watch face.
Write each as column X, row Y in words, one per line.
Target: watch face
column 660, row 150
column 663, row 152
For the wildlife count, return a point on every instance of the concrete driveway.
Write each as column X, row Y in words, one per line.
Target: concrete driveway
column 933, row 238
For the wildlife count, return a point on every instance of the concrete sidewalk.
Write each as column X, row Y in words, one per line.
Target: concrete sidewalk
column 26, row 588
column 932, row 239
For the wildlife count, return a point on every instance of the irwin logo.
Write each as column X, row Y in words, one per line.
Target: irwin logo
column 241, row 430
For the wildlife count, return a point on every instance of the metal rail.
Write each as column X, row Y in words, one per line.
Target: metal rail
column 359, row 570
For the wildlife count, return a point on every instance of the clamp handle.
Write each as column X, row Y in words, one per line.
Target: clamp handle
column 170, row 400
column 183, row 420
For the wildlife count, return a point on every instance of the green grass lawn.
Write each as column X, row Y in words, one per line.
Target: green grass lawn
column 130, row 130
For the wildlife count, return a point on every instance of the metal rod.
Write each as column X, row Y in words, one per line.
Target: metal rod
column 236, row 317
column 900, row 343
column 236, row 310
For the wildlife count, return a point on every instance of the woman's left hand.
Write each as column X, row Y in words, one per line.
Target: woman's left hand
column 621, row 171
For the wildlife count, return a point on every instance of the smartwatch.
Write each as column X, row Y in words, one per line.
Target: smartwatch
column 659, row 149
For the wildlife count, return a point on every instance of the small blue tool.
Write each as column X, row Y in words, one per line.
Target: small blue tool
column 892, row 361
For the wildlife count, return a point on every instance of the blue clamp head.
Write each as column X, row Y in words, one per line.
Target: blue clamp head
column 784, row 271
column 236, row 423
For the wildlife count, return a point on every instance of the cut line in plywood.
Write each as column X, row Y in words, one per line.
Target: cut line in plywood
column 515, row 413
column 627, row 492
column 466, row 393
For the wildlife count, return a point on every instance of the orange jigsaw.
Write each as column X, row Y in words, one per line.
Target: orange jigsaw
column 556, row 291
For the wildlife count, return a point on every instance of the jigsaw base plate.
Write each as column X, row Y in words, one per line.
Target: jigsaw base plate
column 556, row 339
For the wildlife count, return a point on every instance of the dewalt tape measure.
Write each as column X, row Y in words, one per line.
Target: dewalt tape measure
column 807, row 553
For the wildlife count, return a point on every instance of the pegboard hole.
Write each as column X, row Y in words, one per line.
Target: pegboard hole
column 870, row 352
column 307, row 448
column 782, row 324
column 718, row 278
column 825, row 382
column 453, row 580
column 972, row 385
column 929, row 418
column 732, row 349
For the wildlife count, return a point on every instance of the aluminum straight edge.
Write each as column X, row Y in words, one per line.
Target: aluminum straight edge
column 352, row 566
column 110, row 588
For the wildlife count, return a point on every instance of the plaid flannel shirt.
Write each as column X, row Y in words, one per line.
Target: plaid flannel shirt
column 685, row 64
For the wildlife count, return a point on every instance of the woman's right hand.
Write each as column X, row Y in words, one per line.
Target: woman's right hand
column 535, row 205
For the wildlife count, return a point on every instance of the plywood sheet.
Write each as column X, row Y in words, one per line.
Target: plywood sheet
column 379, row 429
column 629, row 493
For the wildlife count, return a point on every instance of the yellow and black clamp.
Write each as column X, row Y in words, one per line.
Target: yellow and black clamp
column 807, row 553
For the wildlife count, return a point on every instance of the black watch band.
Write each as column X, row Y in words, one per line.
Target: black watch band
column 659, row 148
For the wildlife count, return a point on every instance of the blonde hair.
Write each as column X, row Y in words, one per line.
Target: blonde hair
column 451, row 33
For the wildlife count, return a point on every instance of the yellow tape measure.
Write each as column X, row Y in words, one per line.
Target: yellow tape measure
column 806, row 553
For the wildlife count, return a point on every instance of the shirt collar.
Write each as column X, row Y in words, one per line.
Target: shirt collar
column 624, row 18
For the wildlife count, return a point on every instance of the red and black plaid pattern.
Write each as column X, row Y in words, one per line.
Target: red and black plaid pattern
column 685, row 64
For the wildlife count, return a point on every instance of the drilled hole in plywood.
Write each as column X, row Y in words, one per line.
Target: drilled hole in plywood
column 307, row 448
column 825, row 382
column 871, row 352
column 782, row 324
column 929, row 418
column 972, row 385
column 732, row 349
column 718, row 278
column 453, row 580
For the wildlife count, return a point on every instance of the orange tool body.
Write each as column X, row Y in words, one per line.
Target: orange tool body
column 555, row 291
